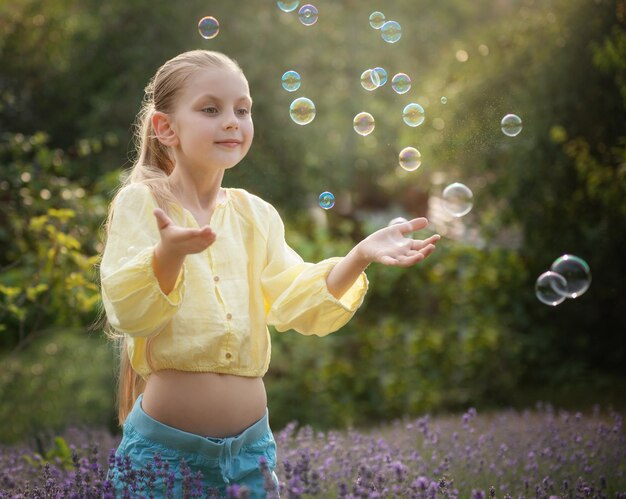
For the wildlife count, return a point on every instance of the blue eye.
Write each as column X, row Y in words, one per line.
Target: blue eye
column 210, row 110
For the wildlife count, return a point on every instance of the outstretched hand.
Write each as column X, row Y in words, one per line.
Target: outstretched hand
column 390, row 246
column 182, row 240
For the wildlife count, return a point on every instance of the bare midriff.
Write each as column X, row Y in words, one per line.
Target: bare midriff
column 207, row 404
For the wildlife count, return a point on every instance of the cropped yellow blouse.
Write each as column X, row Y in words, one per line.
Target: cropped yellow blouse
column 216, row 317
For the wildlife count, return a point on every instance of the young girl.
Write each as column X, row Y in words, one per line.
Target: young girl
column 192, row 273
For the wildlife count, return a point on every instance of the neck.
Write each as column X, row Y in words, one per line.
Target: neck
column 197, row 192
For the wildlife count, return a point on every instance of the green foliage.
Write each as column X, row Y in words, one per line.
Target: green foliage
column 63, row 377
column 60, row 454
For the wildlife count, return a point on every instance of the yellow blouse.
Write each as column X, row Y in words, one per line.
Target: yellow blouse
column 215, row 319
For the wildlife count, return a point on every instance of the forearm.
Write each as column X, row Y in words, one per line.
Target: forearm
column 166, row 266
column 346, row 272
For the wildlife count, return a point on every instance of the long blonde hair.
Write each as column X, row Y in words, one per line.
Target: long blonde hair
column 152, row 166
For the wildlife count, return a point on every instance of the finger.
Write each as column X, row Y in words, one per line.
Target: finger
column 427, row 250
column 162, row 219
column 419, row 244
column 413, row 225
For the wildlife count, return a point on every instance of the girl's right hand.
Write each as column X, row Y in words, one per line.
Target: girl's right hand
column 181, row 241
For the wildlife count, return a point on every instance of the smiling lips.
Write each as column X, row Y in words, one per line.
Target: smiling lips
column 228, row 143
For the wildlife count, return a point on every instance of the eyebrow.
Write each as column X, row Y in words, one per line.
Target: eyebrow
column 217, row 99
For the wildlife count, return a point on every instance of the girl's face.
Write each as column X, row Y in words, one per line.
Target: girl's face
column 212, row 120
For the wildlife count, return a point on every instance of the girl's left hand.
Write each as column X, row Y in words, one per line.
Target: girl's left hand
column 390, row 246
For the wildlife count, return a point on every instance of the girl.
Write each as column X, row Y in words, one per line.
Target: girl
column 192, row 273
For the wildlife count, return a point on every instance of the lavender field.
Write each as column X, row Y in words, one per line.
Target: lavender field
column 541, row 453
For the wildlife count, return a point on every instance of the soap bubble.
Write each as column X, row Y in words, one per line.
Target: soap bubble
column 382, row 75
column 444, row 99
column 410, row 159
column 511, row 125
column 396, row 221
column 576, row 274
column 291, row 81
column 327, row 200
column 370, row 79
column 208, row 27
column 364, row 123
column 308, row 14
column 377, row 19
column 288, row 5
column 401, row 83
column 413, row 114
column 391, row 31
column 302, row 111
column 545, row 288
column 458, row 199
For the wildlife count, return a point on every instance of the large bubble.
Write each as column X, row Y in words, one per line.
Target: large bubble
column 308, row 14
column 377, row 19
column 327, row 200
column 401, row 83
column 288, row 5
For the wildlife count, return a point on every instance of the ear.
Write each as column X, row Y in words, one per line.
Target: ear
column 163, row 129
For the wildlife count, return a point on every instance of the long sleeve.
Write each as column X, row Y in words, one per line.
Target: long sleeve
column 132, row 298
column 295, row 291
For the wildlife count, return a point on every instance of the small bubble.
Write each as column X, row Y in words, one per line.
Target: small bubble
column 576, row 274
column 458, row 199
column 327, row 200
column 444, row 99
column 364, row 123
column 45, row 194
column 291, row 81
column 382, row 75
column 288, row 6
column 462, row 56
column 308, row 14
column 370, row 79
column 377, row 19
column 401, row 83
column 302, row 111
column 511, row 125
column 208, row 27
column 545, row 288
column 391, row 31
column 410, row 159
column 25, row 177
column 413, row 114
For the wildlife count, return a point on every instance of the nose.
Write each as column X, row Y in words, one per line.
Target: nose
column 231, row 122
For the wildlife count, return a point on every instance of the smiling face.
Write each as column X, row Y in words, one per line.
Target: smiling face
column 212, row 120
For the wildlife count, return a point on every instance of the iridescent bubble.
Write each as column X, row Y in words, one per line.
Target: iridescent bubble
column 327, row 200
column 291, row 81
column 391, row 31
column 382, row 75
column 401, row 83
column 308, row 14
column 511, row 125
column 444, row 99
column 377, row 19
column 288, row 6
column 396, row 221
column 410, row 159
column 364, row 123
column 545, row 288
column 413, row 114
column 208, row 27
column 302, row 111
column 458, row 199
column 576, row 274
column 370, row 79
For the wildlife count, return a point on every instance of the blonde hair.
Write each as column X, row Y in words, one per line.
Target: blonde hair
column 152, row 167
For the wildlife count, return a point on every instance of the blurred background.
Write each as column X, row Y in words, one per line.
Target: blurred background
column 463, row 329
